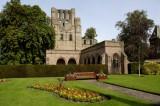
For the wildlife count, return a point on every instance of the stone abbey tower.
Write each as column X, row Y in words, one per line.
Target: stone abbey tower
column 71, row 48
column 67, row 28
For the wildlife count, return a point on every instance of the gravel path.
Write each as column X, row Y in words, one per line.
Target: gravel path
column 155, row 99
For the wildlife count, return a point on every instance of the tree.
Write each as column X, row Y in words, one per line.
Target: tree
column 24, row 34
column 135, row 31
column 90, row 33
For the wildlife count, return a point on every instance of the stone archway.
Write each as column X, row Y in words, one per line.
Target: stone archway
column 116, row 63
column 99, row 59
column 72, row 61
column 85, row 61
column 93, row 60
column 89, row 62
column 61, row 61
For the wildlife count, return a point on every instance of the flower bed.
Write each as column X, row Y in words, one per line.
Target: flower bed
column 3, row 80
column 101, row 76
column 77, row 95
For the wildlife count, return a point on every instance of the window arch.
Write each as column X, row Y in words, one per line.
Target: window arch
column 84, row 41
column 61, row 37
column 70, row 37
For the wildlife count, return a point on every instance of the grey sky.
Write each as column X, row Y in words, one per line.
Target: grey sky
column 101, row 14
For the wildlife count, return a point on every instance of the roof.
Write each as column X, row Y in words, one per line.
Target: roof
column 153, row 60
column 156, row 32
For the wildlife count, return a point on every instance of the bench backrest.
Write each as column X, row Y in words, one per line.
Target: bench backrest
column 85, row 75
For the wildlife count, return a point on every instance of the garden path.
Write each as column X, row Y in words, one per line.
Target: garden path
column 155, row 99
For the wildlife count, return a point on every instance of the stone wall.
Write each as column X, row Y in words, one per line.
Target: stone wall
column 52, row 56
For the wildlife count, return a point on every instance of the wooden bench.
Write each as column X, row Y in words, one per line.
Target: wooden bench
column 85, row 75
column 81, row 75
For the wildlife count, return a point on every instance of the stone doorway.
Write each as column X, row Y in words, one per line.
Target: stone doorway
column 72, row 61
column 60, row 61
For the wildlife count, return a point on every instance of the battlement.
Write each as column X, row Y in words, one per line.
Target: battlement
column 67, row 29
column 63, row 14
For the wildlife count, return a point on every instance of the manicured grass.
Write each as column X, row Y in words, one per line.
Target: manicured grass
column 15, row 92
column 149, row 83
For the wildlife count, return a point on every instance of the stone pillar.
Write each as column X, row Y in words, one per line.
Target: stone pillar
column 60, row 14
column 54, row 13
column 66, row 15
column 109, row 64
column 106, row 60
column 54, row 16
column 72, row 15
column 125, row 65
column 103, row 58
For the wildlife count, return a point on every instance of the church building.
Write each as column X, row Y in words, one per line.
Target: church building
column 71, row 48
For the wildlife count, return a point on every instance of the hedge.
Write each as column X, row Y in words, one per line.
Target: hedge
column 151, row 68
column 18, row 71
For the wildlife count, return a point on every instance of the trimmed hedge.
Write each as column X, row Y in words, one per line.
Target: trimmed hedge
column 151, row 68
column 18, row 71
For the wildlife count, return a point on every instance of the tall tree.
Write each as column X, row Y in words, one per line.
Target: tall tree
column 24, row 34
column 135, row 31
column 90, row 33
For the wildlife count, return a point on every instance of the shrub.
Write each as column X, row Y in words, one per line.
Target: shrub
column 151, row 68
column 13, row 71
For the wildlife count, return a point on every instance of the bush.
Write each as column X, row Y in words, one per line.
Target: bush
column 151, row 68
column 14, row 71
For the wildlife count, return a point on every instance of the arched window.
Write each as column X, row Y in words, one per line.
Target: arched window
column 70, row 37
column 72, row 61
column 60, row 61
column 84, row 41
column 63, row 24
column 61, row 38
column 91, row 42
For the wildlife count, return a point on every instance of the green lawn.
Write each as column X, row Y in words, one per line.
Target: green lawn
column 149, row 83
column 15, row 93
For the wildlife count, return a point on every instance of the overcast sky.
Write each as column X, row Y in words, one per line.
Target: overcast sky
column 101, row 14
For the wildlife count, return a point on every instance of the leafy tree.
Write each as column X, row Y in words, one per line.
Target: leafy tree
column 135, row 31
column 24, row 34
column 90, row 33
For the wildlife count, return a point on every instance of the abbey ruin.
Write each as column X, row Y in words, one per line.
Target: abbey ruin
column 71, row 48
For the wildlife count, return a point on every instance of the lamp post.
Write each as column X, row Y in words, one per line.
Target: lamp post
column 139, row 49
column 139, row 63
